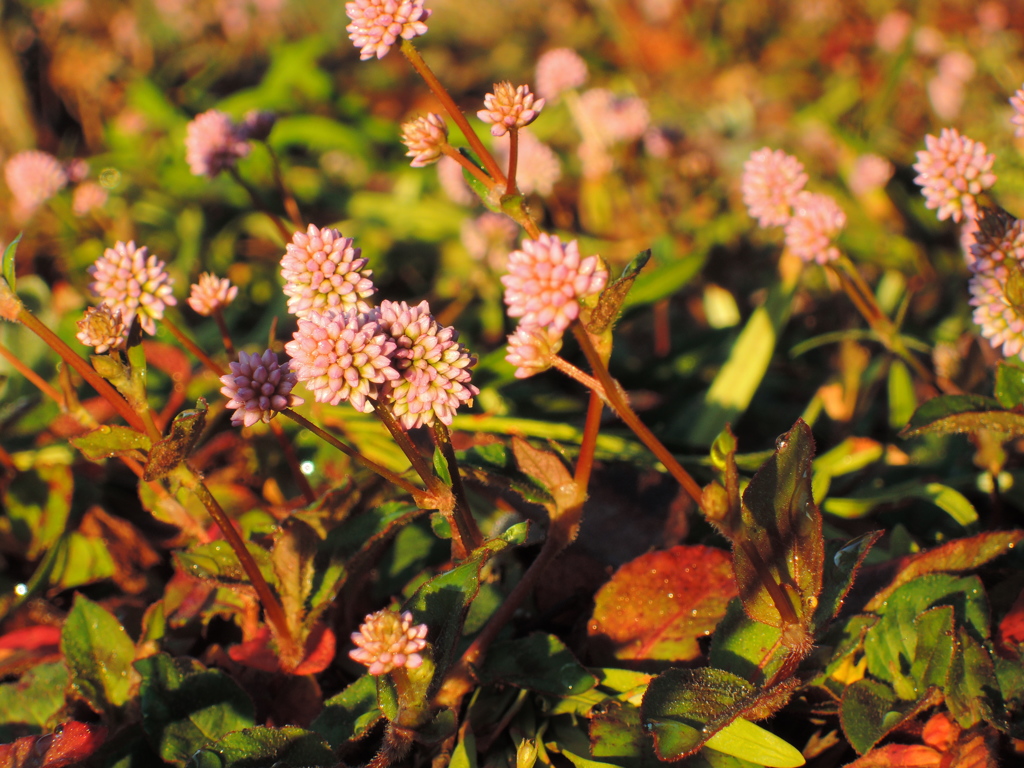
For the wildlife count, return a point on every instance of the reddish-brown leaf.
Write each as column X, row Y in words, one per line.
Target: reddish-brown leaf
column 659, row 605
column 899, row 756
column 940, row 732
column 71, row 743
column 260, row 652
column 1011, row 629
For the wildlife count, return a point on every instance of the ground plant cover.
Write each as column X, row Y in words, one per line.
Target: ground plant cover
column 511, row 383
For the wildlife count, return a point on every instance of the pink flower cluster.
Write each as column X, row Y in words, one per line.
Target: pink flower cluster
column 33, row 178
column 559, row 70
column 509, row 108
column 951, row 171
column 425, row 138
column 211, row 294
column 257, row 388
column 214, row 143
column 996, row 262
column 378, row 24
column 543, row 287
column 394, row 354
column 387, row 640
column 131, row 280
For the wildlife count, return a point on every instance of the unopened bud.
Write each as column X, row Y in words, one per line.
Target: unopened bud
column 526, row 753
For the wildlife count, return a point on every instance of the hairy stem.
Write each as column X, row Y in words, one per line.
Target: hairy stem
column 468, row 164
column 513, row 160
column 423, row 469
column 591, row 427
column 466, row 534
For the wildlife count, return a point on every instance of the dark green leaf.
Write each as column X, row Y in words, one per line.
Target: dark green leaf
column 186, row 429
column 957, row 414
column 107, row 441
column 37, row 503
column 185, row 706
column 841, row 564
column 217, row 561
column 1009, row 388
column 33, row 701
column 350, row 714
column 8, row 263
column 295, row 547
column 683, row 708
column 616, row 736
column 870, row 710
column 973, row 693
column 261, row 747
column 741, row 645
column 99, row 655
column 539, row 662
column 441, row 467
column 781, row 539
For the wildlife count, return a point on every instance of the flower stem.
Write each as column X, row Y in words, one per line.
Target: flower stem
column 41, row 384
column 352, row 453
column 423, row 469
column 417, row 62
column 513, row 160
column 628, row 415
column 192, row 347
column 97, row 382
column 260, row 205
column 592, row 425
column 271, row 605
column 291, row 207
column 225, row 335
column 573, row 372
column 465, row 532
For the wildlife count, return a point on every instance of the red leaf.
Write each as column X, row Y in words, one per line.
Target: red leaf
column 39, row 637
column 940, row 732
column 260, row 652
column 71, row 743
column 899, row 756
column 1011, row 629
column 320, row 648
column 658, row 605
column 257, row 653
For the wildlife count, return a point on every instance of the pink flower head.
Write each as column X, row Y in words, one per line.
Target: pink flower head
column 101, row 328
column 342, row 356
column 387, row 640
column 87, row 197
column 211, row 294
column 771, row 181
column 213, row 143
column 33, row 178
column 951, row 171
column 996, row 296
column 546, row 280
column 258, row 387
column 530, row 350
column 997, row 238
column 378, row 24
column 257, row 124
column 1017, row 102
column 425, row 138
column 817, row 219
column 559, row 70
column 433, row 365
column 870, row 172
column 613, row 119
column 129, row 279
column 509, row 107
column 538, row 168
column 323, row 271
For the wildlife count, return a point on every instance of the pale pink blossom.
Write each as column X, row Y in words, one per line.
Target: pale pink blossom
column 995, row 296
column 214, row 143
column 387, row 640
column 425, row 138
column 133, row 281
column 509, row 107
column 998, row 238
column 613, row 119
column 951, row 171
column 1017, row 102
column 101, row 328
column 489, row 238
column 531, row 348
column 816, row 221
column 771, row 181
column 546, row 280
column 559, row 70
column 211, row 294
column 870, row 172
column 33, row 177
column 322, row 270
column 87, row 197
column 892, row 30
column 378, row 24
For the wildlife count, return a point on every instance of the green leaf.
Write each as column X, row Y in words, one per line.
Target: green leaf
column 870, row 710
column 350, row 714
column 959, row 414
column 1009, row 389
column 99, row 655
column 539, row 662
column 217, row 561
column 741, row 645
column 661, row 604
column 37, row 503
column 441, row 467
column 185, row 706
column 949, row 500
column 83, row 560
column 609, row 303
column 7, row 265
column 616, row 735
column 186, row 429
column 973, row 693
column 841, row 564
column 295, row 547
column 683, row 708
column 107, row 441
column 902, row 400
column 34, row 700
column 781, row 538
column 744, row 739
column 288, row 747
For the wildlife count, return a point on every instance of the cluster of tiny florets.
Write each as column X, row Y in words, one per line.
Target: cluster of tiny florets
column 387, row 640
column 816, row 220
column 101, row 328
column 547, row 278
column 771, row 181
column 378, row 24
column 211, row 294
column 214, row 142
column 509, row 107
column 1017, row 102
column 530, row 350
column 425, row 138
column 951, row 171
column 33, row 178
column 433, row 365
column 323, row 271
column 996, row 261
column 258, row 388
column 133, row 281
column 559, row 70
